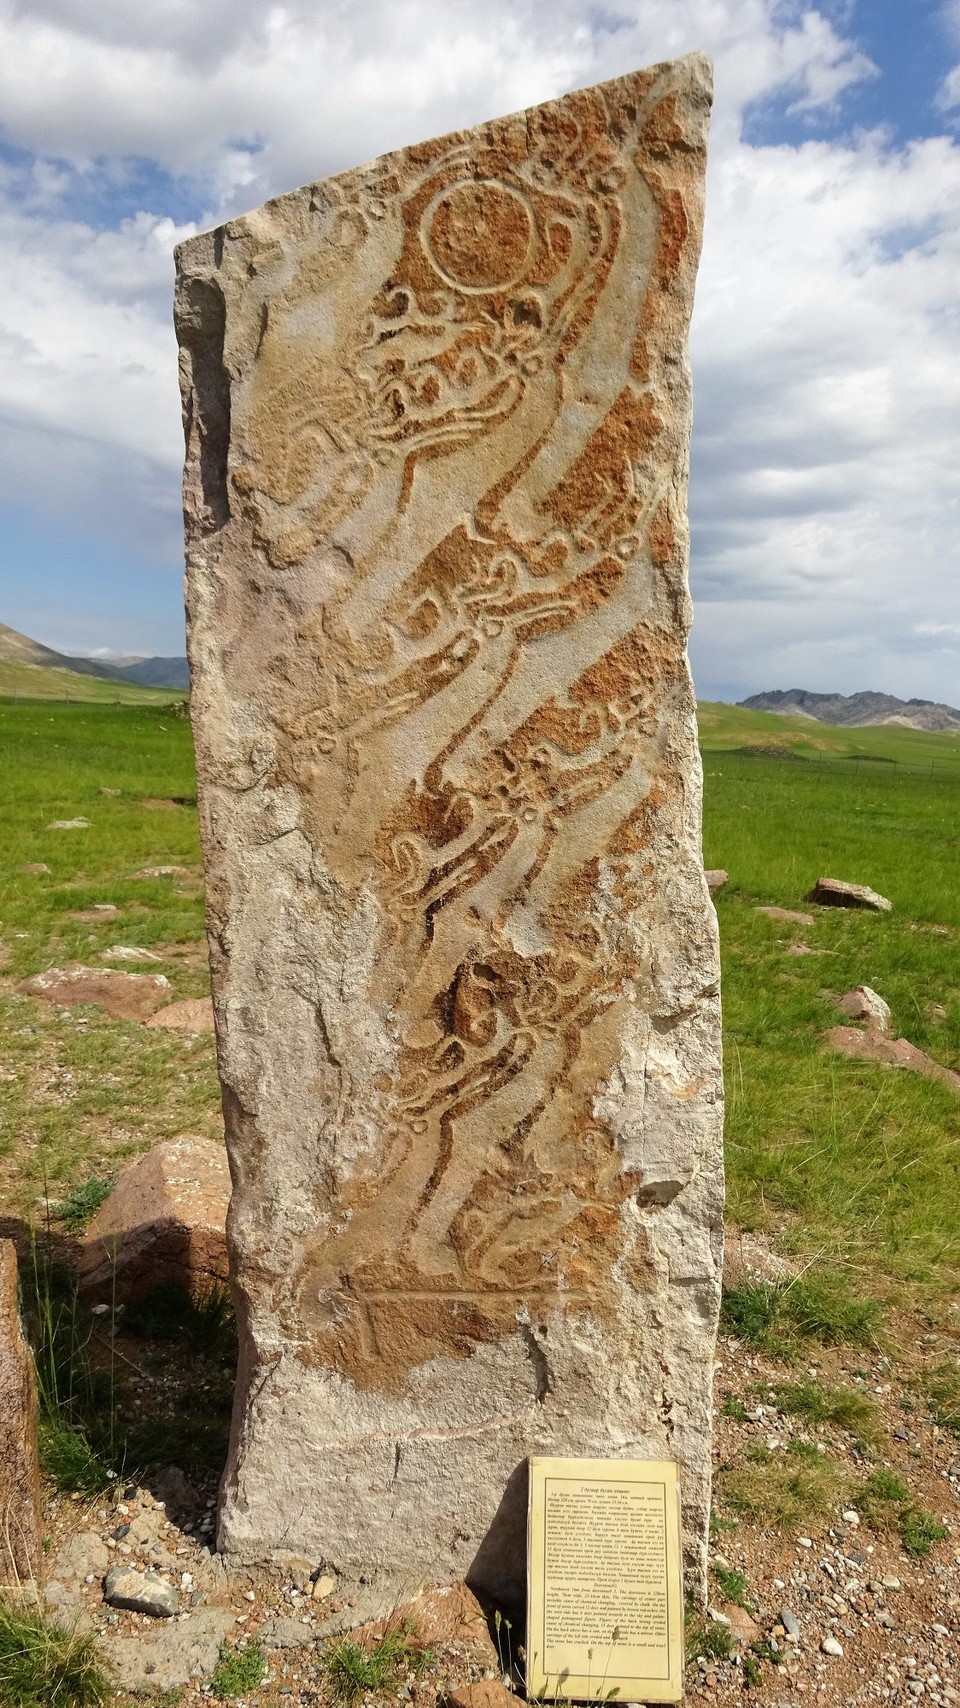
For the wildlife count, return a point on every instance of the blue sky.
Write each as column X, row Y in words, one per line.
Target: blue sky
column 825, row 495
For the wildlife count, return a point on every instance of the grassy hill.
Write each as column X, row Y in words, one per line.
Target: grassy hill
column 738, row 730
column 48, row 682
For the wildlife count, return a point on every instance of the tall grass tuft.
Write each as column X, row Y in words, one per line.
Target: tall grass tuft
column 45, row 1665
column 77, row 1426
column 775, row 1316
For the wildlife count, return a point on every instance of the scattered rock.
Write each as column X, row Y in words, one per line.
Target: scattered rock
column 192, row 1016
column 20, row 1492
column 788, row 916
column 128, row 952
column 95, row 915
column 743, row 1629
column 864, row 1004
column 716, row 879
column 178, row 1654
column 127, row 996
column 834, row 892
column 323, row 1587
column 163, row 872
column 114, row 794
column 790, row 1622
column 69, row 824
column 453, row 1615
column 890, row 1052
column 830, row 1646
column 35, row 869
column 141, row 1592
column 487, row 1693
column 165, row 1220
column 748, row 1257
column 286, row 1634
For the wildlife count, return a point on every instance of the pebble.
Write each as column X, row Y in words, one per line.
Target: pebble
column 850, row 1517
column 141, row 1592
column 790, row 1622
column 830, row 1646
column 804, row 1542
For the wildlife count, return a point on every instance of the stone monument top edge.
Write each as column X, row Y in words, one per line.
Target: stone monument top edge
column 688, row 70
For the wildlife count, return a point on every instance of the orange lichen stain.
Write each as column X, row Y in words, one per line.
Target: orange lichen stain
column 663, row 541
column 674, row 229
column 602, row 473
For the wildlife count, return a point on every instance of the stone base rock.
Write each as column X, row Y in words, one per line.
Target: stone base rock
column 177, row 1654
column 20, row 1490
column 164, row 1221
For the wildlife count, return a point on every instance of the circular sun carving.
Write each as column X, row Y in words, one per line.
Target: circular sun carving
column 479, row 235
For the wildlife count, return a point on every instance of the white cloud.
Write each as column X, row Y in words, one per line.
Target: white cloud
column 826, row 340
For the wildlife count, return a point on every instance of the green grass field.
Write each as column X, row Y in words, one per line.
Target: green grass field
column 80, row 1091
column 852, row 1165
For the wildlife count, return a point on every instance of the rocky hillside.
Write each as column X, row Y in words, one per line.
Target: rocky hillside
column 855, row 710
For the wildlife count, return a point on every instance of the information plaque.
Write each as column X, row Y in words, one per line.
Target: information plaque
column 605, row 1602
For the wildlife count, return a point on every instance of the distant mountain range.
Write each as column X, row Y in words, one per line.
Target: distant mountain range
column 855, row 710
column 172, row 673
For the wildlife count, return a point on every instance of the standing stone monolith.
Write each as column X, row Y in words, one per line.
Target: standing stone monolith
column 21, row 1496
column 464, row 961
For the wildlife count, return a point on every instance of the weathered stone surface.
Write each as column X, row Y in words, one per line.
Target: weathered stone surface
column 84, row 1554
column 835, row 892
column 160, row 1659
column 20, row 1494
column 464, row 959
column 716, row 878
column 281, row 1633
column 165, row 1220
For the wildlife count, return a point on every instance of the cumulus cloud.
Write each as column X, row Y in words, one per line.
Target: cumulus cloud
column 826, row 339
